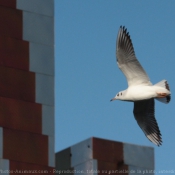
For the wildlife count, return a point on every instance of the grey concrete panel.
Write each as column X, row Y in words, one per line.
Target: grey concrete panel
column 81, row 152
column 140, row 156
column 38, row 28
column 41, row 58
column 51, row 151
column 4, row 167
column 44, row 7
column 87, row 168
column 44, row 89
column 133, row 170
column 63, row 159
column 48, row 125
column 1, row 143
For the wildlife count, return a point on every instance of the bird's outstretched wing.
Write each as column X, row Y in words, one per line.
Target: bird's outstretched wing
column 144, row 114
column 127, row 60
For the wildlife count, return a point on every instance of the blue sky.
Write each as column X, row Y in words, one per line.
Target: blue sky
column 87, row 76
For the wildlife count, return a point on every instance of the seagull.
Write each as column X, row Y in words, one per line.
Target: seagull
column 140, row 89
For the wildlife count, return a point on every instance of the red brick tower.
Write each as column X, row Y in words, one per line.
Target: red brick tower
column 26, row 86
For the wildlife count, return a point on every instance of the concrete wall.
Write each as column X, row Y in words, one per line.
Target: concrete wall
column 99, row 156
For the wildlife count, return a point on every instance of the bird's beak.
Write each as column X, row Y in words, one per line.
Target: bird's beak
column 112, row 99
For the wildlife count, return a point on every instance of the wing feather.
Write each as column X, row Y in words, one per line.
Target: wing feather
column 144, row 115
column 127, row 60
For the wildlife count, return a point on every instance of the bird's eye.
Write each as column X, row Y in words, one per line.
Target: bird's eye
column 121, row 93
column 117, row 94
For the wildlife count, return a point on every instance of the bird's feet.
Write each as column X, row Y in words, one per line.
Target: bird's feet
column 161, row 95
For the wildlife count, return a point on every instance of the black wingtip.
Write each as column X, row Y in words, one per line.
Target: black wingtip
column 122, row 27
column 160, row 143
column 124, row 30
column 168, row 98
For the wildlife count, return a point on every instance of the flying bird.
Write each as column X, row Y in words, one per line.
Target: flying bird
column 140, row 90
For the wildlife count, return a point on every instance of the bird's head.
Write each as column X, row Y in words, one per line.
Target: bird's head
column 119, row 96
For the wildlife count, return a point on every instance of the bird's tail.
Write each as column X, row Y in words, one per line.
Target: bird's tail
column 165, row 85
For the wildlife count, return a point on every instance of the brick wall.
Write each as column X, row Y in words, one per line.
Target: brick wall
column 26, row 86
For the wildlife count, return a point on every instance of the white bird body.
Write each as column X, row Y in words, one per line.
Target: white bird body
column 140, row 90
